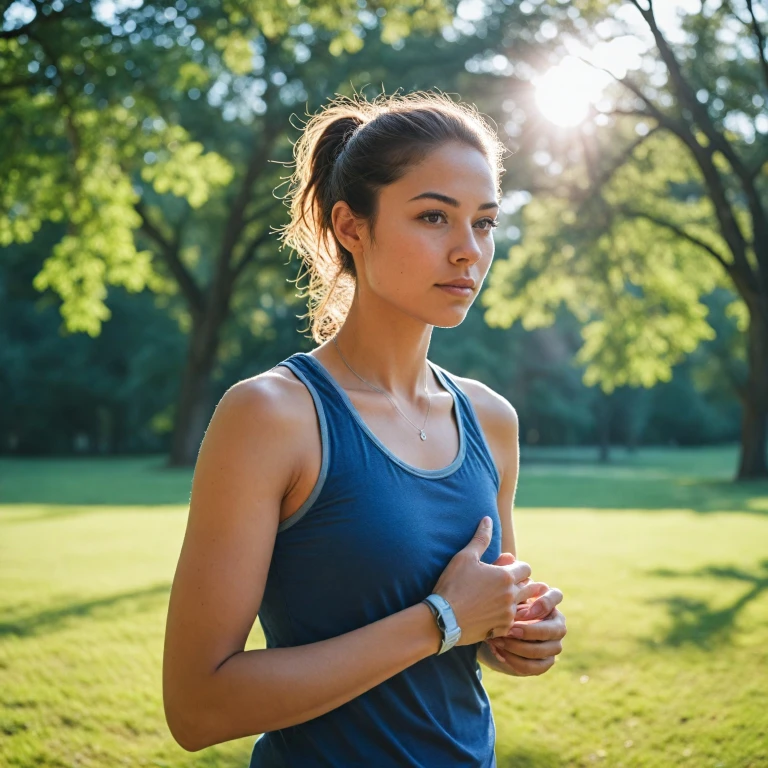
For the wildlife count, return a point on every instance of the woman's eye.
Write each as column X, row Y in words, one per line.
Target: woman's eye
column 490, row 222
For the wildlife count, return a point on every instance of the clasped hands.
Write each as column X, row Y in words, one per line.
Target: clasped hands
column 534, row 640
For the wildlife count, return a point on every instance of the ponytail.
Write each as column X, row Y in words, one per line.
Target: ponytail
column 349, row 151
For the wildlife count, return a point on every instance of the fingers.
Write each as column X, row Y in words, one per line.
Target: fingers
column 528, row 650
column 543, row 605
column 552, row 628
column 523, row 667
column 505, row 558
column 536, row 653
column 519, row 570
column 530, row 589
column 482, row 538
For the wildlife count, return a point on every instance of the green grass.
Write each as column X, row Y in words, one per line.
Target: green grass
column 662, row 560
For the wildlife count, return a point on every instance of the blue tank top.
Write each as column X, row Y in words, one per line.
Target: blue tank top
column 372, row 539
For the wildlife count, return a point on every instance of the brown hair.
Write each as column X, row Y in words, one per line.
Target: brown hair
column 349, row 151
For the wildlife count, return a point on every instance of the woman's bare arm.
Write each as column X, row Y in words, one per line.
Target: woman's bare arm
column 214, row 690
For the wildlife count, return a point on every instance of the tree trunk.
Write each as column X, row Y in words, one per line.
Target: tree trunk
column 194, row 406
column 754, row 424
column 192, row 411
column 604, row 419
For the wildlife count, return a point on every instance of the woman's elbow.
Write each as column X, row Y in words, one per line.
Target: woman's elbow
column 190, row 733
column 186, row 723
column 185, row 731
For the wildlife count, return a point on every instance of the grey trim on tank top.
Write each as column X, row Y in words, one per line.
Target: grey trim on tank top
column 302, row 510
column 426, row 473
column 481, row 434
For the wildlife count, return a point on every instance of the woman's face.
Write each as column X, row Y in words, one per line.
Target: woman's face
column 423, row 240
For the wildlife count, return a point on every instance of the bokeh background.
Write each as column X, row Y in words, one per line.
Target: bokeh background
column 144, row 151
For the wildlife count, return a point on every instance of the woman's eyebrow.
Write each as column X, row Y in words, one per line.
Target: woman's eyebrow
column 451, row 200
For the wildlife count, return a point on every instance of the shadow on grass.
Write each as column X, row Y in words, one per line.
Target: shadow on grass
column 68, row 512
column 14, row 622
column 695, row 622
column 647, row 494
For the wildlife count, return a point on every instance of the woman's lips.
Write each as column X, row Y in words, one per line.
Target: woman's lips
column 456, row 290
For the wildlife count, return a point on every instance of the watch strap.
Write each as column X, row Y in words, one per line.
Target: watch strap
column 446, row 621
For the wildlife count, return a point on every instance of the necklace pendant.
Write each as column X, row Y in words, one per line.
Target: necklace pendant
column 423, row 435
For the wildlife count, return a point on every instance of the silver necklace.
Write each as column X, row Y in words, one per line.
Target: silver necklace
column 421, row 431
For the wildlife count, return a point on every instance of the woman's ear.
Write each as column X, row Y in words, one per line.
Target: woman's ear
column 347, row 227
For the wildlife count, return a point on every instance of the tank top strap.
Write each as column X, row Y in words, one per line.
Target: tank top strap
column 476, row 441
column 337, row 440
column 323, row 388
column 304, row 370
column 333, row 417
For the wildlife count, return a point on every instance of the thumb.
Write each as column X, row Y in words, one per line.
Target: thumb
column 505, row 558
column 482, row 537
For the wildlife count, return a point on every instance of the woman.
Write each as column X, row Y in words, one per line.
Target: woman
column 358, row 497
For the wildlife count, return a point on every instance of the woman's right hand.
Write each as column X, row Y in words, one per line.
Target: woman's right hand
column 484, row 597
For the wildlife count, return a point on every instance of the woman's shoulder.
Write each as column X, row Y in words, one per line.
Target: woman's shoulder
column 274, row 398
column 490, row 407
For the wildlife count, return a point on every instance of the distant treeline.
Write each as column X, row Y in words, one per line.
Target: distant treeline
column 115, row 394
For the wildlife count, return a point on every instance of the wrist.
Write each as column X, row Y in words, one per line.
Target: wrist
column 445, row 620
column 433, row 631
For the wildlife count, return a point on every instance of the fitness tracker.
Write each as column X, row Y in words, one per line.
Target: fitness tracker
column 446, row 621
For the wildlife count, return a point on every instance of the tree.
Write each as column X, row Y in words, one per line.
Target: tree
column 654, row 203
column 118, row 143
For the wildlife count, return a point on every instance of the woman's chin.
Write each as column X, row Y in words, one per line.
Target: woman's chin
column 449, row 319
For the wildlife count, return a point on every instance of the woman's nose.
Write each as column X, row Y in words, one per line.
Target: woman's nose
column 468, row 249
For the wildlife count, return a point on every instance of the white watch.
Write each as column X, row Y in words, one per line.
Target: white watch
column 446, row 621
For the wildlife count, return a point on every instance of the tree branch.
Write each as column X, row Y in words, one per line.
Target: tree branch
column 687, row 97
column 603, row 178
column 755, row 172
column 250, row 249
column 677, row 127
column 681, row 233
column 731, row 230
column 237, row 219
column 250, row 253
column 642, row 10
column 760, row 37
column 263, row 211
column 223, row 276
column 169, row 251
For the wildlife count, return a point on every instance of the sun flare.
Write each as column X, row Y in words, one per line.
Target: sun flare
column 565, row 93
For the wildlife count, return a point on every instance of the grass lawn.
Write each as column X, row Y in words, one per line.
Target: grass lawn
column 662, row 560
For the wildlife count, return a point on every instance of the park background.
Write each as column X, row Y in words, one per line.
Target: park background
column 144, row 151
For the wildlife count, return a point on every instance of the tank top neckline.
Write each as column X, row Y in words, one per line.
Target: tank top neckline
column 441, row 472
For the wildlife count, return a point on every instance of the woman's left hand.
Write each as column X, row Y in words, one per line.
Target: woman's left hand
column 534, row 641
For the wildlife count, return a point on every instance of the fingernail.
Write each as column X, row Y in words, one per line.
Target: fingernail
column 486, row 520
column 516, row 632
